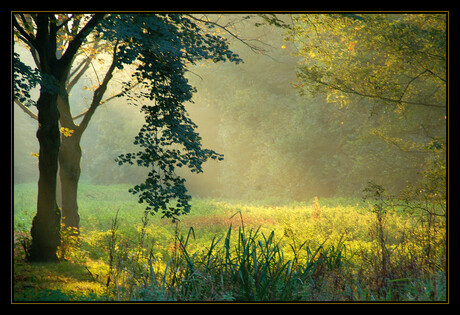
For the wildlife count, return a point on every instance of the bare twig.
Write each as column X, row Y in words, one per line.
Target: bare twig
column 26, row 109
column 254, row 48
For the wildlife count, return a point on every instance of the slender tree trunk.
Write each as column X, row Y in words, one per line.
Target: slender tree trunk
column 69, row 172
column 69, row 164
column 46, row 223
column 70, row 152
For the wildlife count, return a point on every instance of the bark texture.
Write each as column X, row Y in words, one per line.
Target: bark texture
column 47, row 221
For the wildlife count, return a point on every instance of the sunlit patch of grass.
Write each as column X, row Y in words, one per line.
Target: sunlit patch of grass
column 323, row 249
column 51, row 281
column 222, row 221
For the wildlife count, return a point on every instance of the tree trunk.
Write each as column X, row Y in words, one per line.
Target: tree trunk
column 69, row 172
column 46, row 223
column 70, row 152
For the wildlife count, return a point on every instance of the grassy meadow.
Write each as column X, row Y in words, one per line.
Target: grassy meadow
column 229, row 250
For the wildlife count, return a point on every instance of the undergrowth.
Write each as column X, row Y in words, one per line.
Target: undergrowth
column 372, row 250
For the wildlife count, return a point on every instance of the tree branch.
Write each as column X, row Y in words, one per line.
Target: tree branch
column 409, row 83
column 105, row 101
column 75, row 44
column 387, row 99
column 99, row 92
column 252, row 47
column 65, row 21
column 26, row 110
column 30, row 40
column 36, row 57
column 81, row 68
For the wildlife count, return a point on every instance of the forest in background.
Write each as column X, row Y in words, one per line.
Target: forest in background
column 276, row 143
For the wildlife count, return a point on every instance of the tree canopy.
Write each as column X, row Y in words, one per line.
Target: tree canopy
column 162, row 47
column 391, row 58
column 159, row 47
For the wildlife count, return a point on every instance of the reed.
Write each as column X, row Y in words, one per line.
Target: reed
column 248, row 266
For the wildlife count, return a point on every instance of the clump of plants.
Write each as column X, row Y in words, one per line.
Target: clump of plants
column 383, row 248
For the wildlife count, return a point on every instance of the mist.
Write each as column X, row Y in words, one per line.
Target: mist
column 276, row 143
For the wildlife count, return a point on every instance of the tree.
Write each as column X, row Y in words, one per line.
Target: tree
column 392, row 58
column 396, row 61
column 159, row 47
column 168, row 137
column 71, row 131
column 46, row 223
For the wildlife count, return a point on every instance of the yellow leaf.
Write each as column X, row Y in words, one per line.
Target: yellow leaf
column 283, row 47
column 34, row 154
column 66, row 131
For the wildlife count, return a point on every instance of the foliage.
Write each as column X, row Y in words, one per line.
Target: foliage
column 25, row 79
column 158, row 48
column 397, row 63
column 162, row 46
column 70, row 244
column 279, row 144
column 396, row 58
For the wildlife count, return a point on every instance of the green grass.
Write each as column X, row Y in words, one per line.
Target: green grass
column 65, row 281
column 268, row 250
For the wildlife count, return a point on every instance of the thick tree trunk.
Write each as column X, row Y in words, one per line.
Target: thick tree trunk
column 46, row 224
column 69, row 172
column 47, row 221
